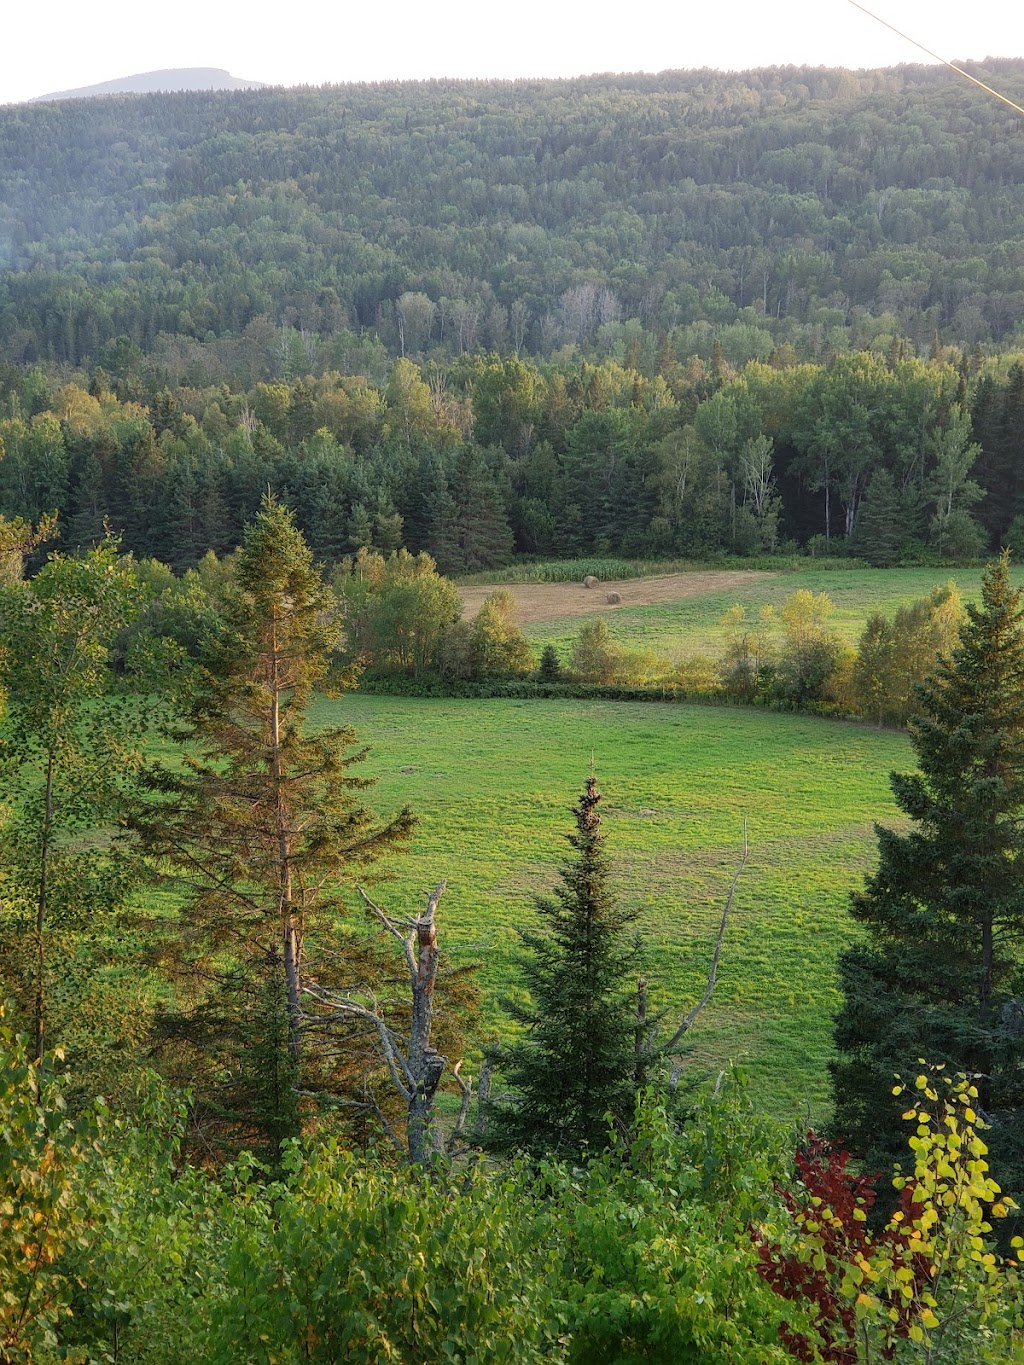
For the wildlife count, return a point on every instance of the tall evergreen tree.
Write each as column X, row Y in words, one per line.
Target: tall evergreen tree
column 483, row 533
column 939, row 972
column 259, row 827
column 442, row 523
column 576, row 1060
column 881, row 529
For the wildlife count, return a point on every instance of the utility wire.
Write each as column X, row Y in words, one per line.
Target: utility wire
column 952, row 65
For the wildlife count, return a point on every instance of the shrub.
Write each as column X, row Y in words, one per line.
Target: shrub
column 498, row 648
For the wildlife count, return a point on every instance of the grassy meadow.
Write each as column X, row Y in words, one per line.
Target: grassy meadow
column 493, row 782
column 693, row 626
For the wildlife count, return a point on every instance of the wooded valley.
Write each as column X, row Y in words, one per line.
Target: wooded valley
column 390, row 978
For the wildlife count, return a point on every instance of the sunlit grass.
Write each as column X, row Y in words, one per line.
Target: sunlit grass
column 493, row 783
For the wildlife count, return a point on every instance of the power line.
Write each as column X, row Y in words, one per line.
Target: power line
column 921, row 47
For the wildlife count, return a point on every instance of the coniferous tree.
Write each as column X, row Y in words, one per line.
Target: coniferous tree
column 550, row 669
column 483, row 533
column 881, row 528
column 939, row 973
column 577, row 1058
column 259, row 828
column 441, row 513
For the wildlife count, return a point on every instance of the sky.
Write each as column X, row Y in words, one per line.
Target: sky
column 67, row 44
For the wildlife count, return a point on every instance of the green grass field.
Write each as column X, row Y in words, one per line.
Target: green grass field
column 693, row 625
column 493, row 781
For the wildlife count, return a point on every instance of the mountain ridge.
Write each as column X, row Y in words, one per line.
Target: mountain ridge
column 169, row 80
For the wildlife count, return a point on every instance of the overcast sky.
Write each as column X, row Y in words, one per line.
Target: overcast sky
column 64, row 44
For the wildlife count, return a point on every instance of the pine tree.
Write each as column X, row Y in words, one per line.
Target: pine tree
column 260, row 826
column 938, row 973
column 577, row 1058
column 442, row 525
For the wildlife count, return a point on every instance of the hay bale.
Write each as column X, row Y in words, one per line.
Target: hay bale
column 613, row 599
column 590, row 581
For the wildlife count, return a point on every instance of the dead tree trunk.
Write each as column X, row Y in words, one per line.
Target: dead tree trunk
column 425, row 1063
column 414, row 1064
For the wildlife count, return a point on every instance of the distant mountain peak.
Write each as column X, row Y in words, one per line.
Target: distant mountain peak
column 149, row 82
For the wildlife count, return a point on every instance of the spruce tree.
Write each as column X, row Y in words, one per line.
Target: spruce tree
column 939, row 971
column 550, row 665
column 576, row 1059
column 881, row 528
column 259, row 827
column 482, row 530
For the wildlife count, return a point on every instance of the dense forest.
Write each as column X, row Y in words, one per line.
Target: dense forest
column 891, row 458
column 686, row 314
column 818, row 207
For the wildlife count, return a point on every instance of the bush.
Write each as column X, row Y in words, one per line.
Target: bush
column 595, row 655
column 42, row 1158
column 958, row 537
column 498, row 648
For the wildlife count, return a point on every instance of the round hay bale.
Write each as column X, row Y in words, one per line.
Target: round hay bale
column 590, row 581
column 613, row 599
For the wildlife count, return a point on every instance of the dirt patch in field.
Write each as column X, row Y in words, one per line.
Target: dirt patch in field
column 552, row 601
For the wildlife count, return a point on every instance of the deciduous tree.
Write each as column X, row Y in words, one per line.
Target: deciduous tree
column 68, row 751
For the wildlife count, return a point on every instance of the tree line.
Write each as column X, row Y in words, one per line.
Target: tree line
column 891, row 458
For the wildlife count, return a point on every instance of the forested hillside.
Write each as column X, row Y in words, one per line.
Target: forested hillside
column 686, row 314
column 819, row 207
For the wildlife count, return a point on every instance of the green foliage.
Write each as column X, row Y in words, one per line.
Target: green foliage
column 747, row 668
column 895, row 656
column 595, row 655
column 70, row 757
column 41, row 1222
column 642, row 1255
column 658, row 1255
column 812, row 654
column 550, row 669
column 937, row 974
column 498, row 648
column 257, row 826
column 356, row 1262
column 396, row 611
column 578, row 1057
column 808, row 667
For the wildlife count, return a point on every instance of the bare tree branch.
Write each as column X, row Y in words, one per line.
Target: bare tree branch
column 416, row 1074
column 691, row 1018
column 343, row 1004
column 466, row 1089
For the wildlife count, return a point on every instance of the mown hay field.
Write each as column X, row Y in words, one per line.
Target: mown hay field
column 492, row 782
column 680, row 614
